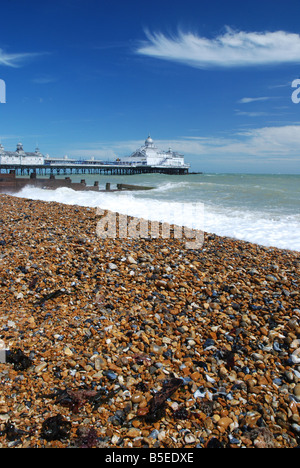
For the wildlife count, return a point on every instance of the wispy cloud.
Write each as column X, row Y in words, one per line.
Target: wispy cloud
column 263, row 143
column 16, row 60
column 45, row 79
column 231, row 49
column 247, row 100
column 252, row 114
column 283, row 140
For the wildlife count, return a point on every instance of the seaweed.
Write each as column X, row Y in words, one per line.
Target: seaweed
column 11, row 432
column 157, row 405
column 87, row 438
column 56, row 428
column 18, row 359
column 75, row 399
column 53, row 295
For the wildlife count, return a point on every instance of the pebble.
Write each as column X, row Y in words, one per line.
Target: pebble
column 133, row 433
column 296, row 356
column 68, row 351
column 40, row 367
column 108, row 323
column 189, row 438
column 154, row 434
column 224, row 423
column 131, row 260
column 297, row 391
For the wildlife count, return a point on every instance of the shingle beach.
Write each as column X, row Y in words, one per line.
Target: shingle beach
column 141, row 342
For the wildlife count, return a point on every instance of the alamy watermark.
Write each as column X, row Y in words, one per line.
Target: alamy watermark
column 2, row 92
column 296, row 93
column 121, row 226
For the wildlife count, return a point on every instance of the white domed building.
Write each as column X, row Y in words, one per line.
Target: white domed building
column 150, row 155
column 20, row 157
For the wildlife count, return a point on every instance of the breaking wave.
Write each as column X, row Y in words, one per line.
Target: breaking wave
column 258, row 225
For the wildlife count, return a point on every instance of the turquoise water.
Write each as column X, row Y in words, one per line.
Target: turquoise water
column 264, row 209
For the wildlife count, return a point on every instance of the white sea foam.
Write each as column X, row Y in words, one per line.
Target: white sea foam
column 253, row 225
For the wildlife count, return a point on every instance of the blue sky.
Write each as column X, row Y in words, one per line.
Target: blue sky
column 212, row 79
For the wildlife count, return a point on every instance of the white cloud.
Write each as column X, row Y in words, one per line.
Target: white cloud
column 103, row 154
column 15, row 60
column 246, row 100
column 284, row 140
column 232, row 49
column 264, row 143
column 104, row 150
column 252, row 114
column 281, row 142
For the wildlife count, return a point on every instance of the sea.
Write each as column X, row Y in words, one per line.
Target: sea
column 262, row 209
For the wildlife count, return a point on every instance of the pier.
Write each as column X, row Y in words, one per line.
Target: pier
column 105, row 169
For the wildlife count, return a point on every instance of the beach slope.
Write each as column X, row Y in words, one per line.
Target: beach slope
column 141, row 342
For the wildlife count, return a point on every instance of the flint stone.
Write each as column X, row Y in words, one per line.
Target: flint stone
column 2, row 356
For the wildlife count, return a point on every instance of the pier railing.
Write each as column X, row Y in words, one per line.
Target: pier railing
column 105, row 169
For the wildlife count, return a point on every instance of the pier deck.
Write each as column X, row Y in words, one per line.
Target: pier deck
column 105, row 169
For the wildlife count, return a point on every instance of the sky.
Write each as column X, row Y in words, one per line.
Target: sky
column 218, row 81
